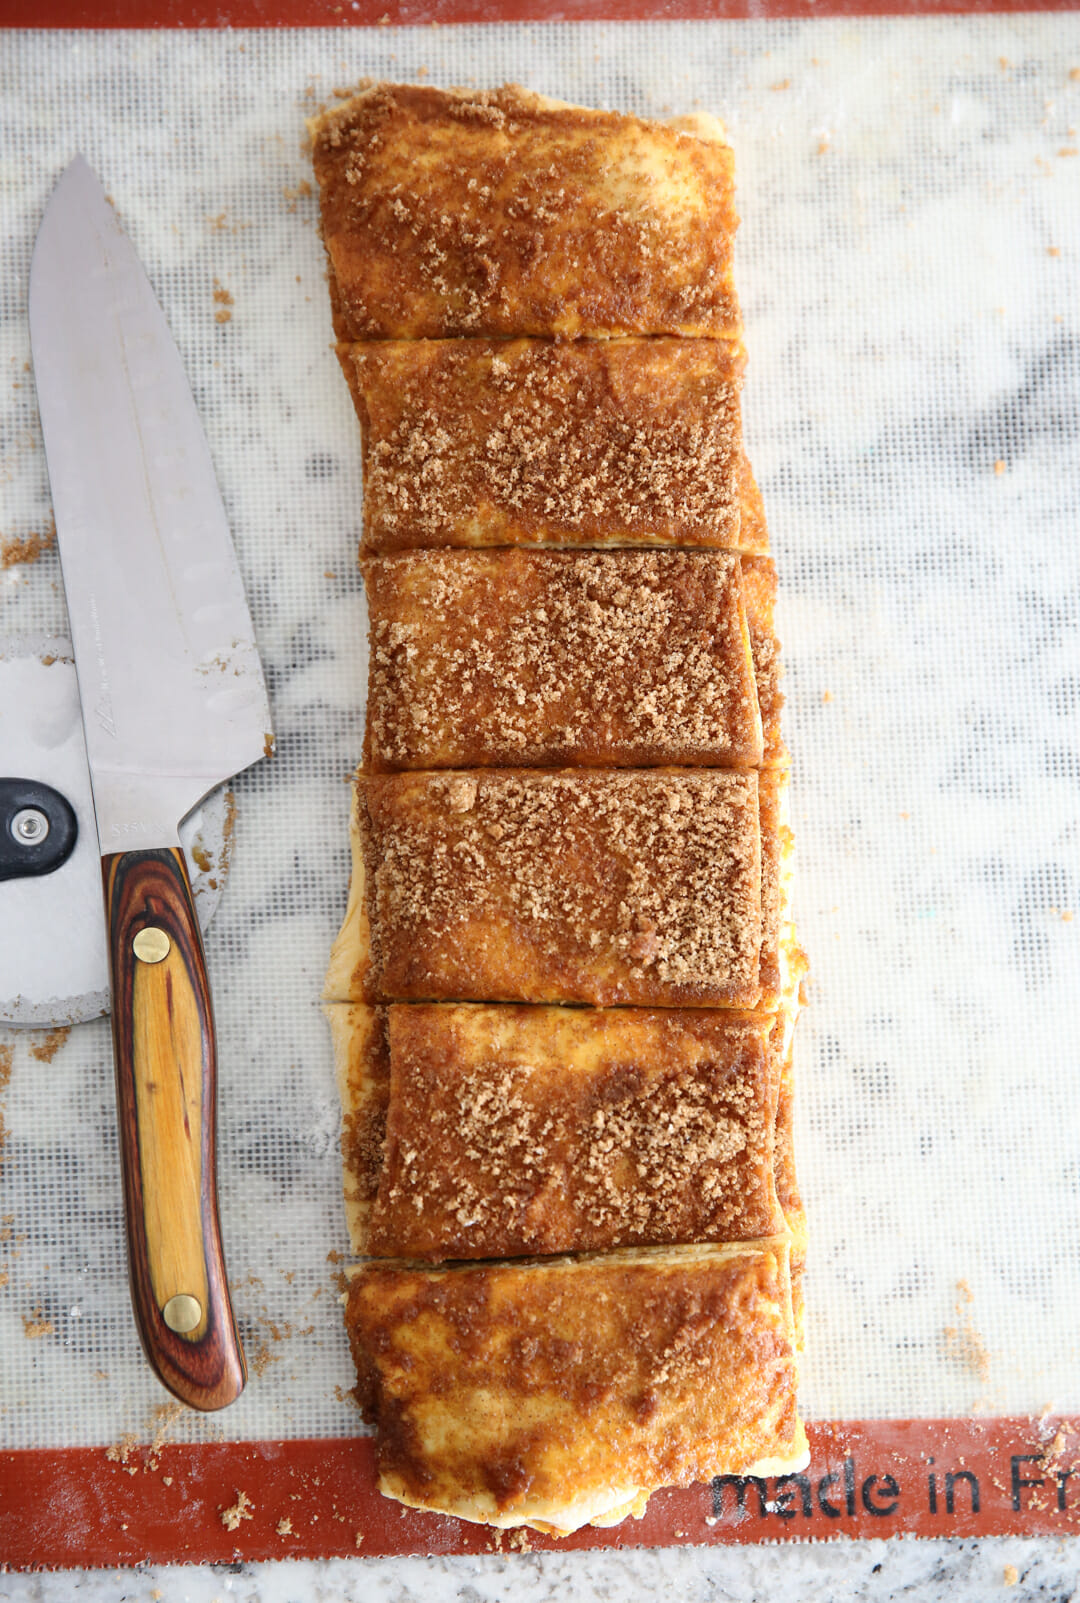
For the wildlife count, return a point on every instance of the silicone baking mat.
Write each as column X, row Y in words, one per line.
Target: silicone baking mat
column 909, row 265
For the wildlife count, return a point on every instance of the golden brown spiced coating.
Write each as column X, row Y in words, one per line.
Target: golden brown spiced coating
column 617, row 886
column 527, row 658
column 361, row 1043
column 559, row 1391
column 474, row 442
column 777, row 858
column 499, row 212
column 514, row 1130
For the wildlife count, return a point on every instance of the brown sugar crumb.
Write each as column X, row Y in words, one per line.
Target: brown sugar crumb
column 519, row 1542
column 1052, row 1452
column 573, row 885
column 300, row 192
column 35, row 1326
column 962, row 1340
column 224, row 302
column 240, row 1510
column 1010, row 1576
column 550, row 658
column 262, row 1359
column 121, row 1450
column 999, row 467
column 164, row 1418
column 44, row 1051
column 475, row 442
column 26, row 548
column 284, row 1527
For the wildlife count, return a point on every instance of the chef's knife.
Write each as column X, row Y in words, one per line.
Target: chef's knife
column 173, row 703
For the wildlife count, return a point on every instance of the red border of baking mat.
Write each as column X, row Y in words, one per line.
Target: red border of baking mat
column 78, row 1507
column 366, row 13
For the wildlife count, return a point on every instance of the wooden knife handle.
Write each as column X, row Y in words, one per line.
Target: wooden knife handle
column 163, row 1039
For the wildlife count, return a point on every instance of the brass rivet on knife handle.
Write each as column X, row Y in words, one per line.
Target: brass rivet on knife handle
column 151, row 945
column 163, row 1037
column 182, row 1313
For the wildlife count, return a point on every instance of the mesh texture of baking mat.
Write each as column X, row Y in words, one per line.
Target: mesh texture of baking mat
column 909, row 264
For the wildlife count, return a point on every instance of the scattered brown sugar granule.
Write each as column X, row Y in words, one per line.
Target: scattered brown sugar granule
column 45, row 1050
column 516, row 1130
column 35, row 1325
column 529, row 442
column 240, row 1510
column 962, row 1341
column 575, row 885
column 297, row 193
column 121, row 1450
column 498, row 212
column 284, row 1527
column 224, row 302
column 262, row 1359
column 18, row 548
column 551, row 658
column 1011, row 1575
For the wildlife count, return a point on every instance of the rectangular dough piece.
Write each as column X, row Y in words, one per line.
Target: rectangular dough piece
column 499, row 212
column 564, row 1391
column 621, row 442
column 640, row 886
column 558, row 658
column 498, row 1131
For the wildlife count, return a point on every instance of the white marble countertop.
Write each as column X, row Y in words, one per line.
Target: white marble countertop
column 834, row 1572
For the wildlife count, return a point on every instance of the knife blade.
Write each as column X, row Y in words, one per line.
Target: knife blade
column 173, row 703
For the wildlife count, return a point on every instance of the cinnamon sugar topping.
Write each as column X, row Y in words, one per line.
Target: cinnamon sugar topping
column 517, row 1130
column 575, row 886
column 530, row 658
column 475, row 442
column 456, row 212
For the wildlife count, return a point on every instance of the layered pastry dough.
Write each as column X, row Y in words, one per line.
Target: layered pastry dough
column 636, row 886
column 758, row 596
column 574, row 792
column 532, row 442
column 500, row 212
column 556, row 1392
column 499, row 1131
column 510, row 658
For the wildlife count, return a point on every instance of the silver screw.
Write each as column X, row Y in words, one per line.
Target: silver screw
column 30, row 826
